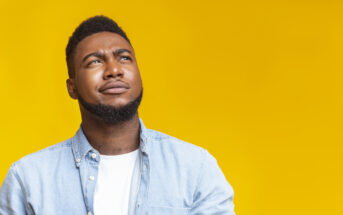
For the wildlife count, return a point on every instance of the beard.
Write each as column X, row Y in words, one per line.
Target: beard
column 113, row 115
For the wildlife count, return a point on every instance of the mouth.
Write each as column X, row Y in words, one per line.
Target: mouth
column 116, row 87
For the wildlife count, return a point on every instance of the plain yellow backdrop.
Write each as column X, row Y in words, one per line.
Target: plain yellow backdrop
column 257, row 83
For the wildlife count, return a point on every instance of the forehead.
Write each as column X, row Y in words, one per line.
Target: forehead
column 102, row 41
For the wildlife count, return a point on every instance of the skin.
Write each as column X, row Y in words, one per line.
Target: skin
column 99, row 59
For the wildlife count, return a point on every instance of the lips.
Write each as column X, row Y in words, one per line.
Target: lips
column 116, row 87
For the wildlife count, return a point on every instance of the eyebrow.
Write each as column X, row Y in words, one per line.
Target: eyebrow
column 120, row 51
column 102, row 55
column 95, row 54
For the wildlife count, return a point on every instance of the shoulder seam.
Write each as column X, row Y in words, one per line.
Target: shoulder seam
column 57, row 146
column 13, row 167
column 200, row 171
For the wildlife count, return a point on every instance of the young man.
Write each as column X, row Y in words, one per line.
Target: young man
column 113, row 165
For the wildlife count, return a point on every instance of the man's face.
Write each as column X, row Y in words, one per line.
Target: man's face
column 106, row 71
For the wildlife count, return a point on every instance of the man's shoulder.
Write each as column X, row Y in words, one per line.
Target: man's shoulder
column 173, row 146
column 172, row 141
column 45, row 156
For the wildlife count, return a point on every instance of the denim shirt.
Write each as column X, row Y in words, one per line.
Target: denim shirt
column 173, row 178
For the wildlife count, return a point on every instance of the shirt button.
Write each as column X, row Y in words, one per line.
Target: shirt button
column 92, row 179
column 93, row 155
column 78, row 160
column 89, row 213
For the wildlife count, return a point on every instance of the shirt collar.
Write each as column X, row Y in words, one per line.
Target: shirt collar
column 81, row 146
column 143, row 137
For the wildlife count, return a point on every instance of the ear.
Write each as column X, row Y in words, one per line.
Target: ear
column 71, row 88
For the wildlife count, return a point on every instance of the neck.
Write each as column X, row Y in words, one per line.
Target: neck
column 111, row 139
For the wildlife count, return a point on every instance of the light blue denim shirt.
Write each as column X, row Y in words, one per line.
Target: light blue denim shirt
column 173, row 178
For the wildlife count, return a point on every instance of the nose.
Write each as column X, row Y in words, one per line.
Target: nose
column 113, row 70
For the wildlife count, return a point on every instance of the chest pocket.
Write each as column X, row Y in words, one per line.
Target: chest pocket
column 168, row 211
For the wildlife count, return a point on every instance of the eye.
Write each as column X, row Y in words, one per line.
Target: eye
column 93, row 62
column 125, row 58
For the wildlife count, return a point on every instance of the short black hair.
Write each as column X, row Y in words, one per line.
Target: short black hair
column 88, row 27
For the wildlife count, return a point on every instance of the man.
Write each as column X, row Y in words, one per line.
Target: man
column 113, row 165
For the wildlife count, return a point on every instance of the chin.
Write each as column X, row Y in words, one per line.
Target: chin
column 117, row 104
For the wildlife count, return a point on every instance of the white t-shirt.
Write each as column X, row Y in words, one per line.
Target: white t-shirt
column 112, row 191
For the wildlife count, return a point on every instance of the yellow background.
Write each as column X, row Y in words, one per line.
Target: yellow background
column 257, row 83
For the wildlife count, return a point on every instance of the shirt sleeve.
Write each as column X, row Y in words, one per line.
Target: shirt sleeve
column 214, row 195
column 12, row 198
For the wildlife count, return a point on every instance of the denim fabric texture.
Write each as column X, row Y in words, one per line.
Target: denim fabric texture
column 173, row 178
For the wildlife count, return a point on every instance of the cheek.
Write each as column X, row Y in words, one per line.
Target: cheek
column 87, row 83
column 133, row 76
